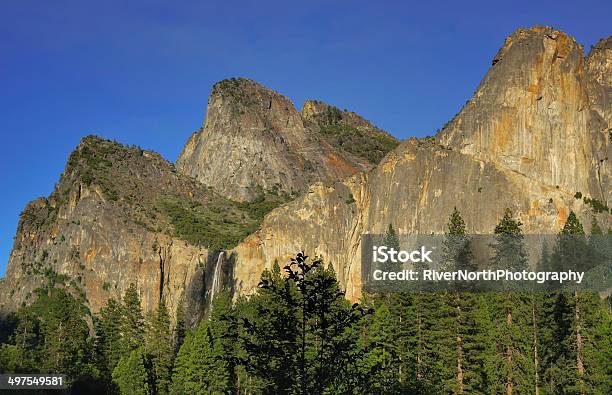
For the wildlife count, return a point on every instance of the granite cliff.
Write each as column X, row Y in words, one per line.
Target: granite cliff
column 536, row 137
column 254, row 141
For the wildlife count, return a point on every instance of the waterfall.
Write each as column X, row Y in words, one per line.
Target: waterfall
column 216, row 282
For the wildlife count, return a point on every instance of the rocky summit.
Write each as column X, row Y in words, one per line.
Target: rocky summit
column 261, row 181
column 254, row 141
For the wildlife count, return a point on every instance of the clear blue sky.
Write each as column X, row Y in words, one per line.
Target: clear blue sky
column 140, row 72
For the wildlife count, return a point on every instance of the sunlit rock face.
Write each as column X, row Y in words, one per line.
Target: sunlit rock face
column 254, row 140
column 536, row 132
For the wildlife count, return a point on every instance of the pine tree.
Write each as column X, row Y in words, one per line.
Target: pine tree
column 458, row 256
column 327, row 327
column 510, row 365
column 382, row 352
column 576, row 319
column 391, row 239
column 271, row 333
column 132, row 322
column 602, row 352
column 64, row 345
column 131, row 375
column 206, row 360
column 160, row 348
column 26, row 339
column 51, row 335
column 108, row 332
column 180, row 328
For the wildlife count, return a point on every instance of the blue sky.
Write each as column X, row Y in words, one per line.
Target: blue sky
column 140, row 72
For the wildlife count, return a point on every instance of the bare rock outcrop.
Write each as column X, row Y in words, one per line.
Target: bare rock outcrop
column 253, row 140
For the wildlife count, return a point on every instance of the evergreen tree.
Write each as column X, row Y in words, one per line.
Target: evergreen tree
column 108, row 332
column 206, row 361
column 271, row 333
column 458, row 256
column 180, row 328
column 509, row 365
column 160, row 348
column 131, row 375
column 64, row 345
column 457, row 251
column 391, row 239
column 382, row 352
column 132, row 322
column 575, row 367
column 26, row 339
column 327, row 322
column 184, row 371
column 601, row 377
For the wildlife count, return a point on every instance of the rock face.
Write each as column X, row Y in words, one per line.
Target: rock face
column 107, row 225
column 536, row 137
column 348, row 132
column 254, row 140
column 536, row 132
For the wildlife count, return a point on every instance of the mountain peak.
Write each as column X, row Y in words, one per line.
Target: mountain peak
column 536, row 37
column 254, row 140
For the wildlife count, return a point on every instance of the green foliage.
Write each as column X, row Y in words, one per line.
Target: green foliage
column 391, row 239
column 508, row 249
column 326, row 326
column 132, row 325
column 51, row 335
column 381, row 358
column 131, row 375
column 270, row 337
column 109, row 344
column 572, row 225
column 597, row 206
column 221, row 225
column 371, row 146
column 457, row 250
column 160, row 348
column 94, row 163
column 206, row 361
column 121, row 332
column 261, row 205
column 298, row 334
